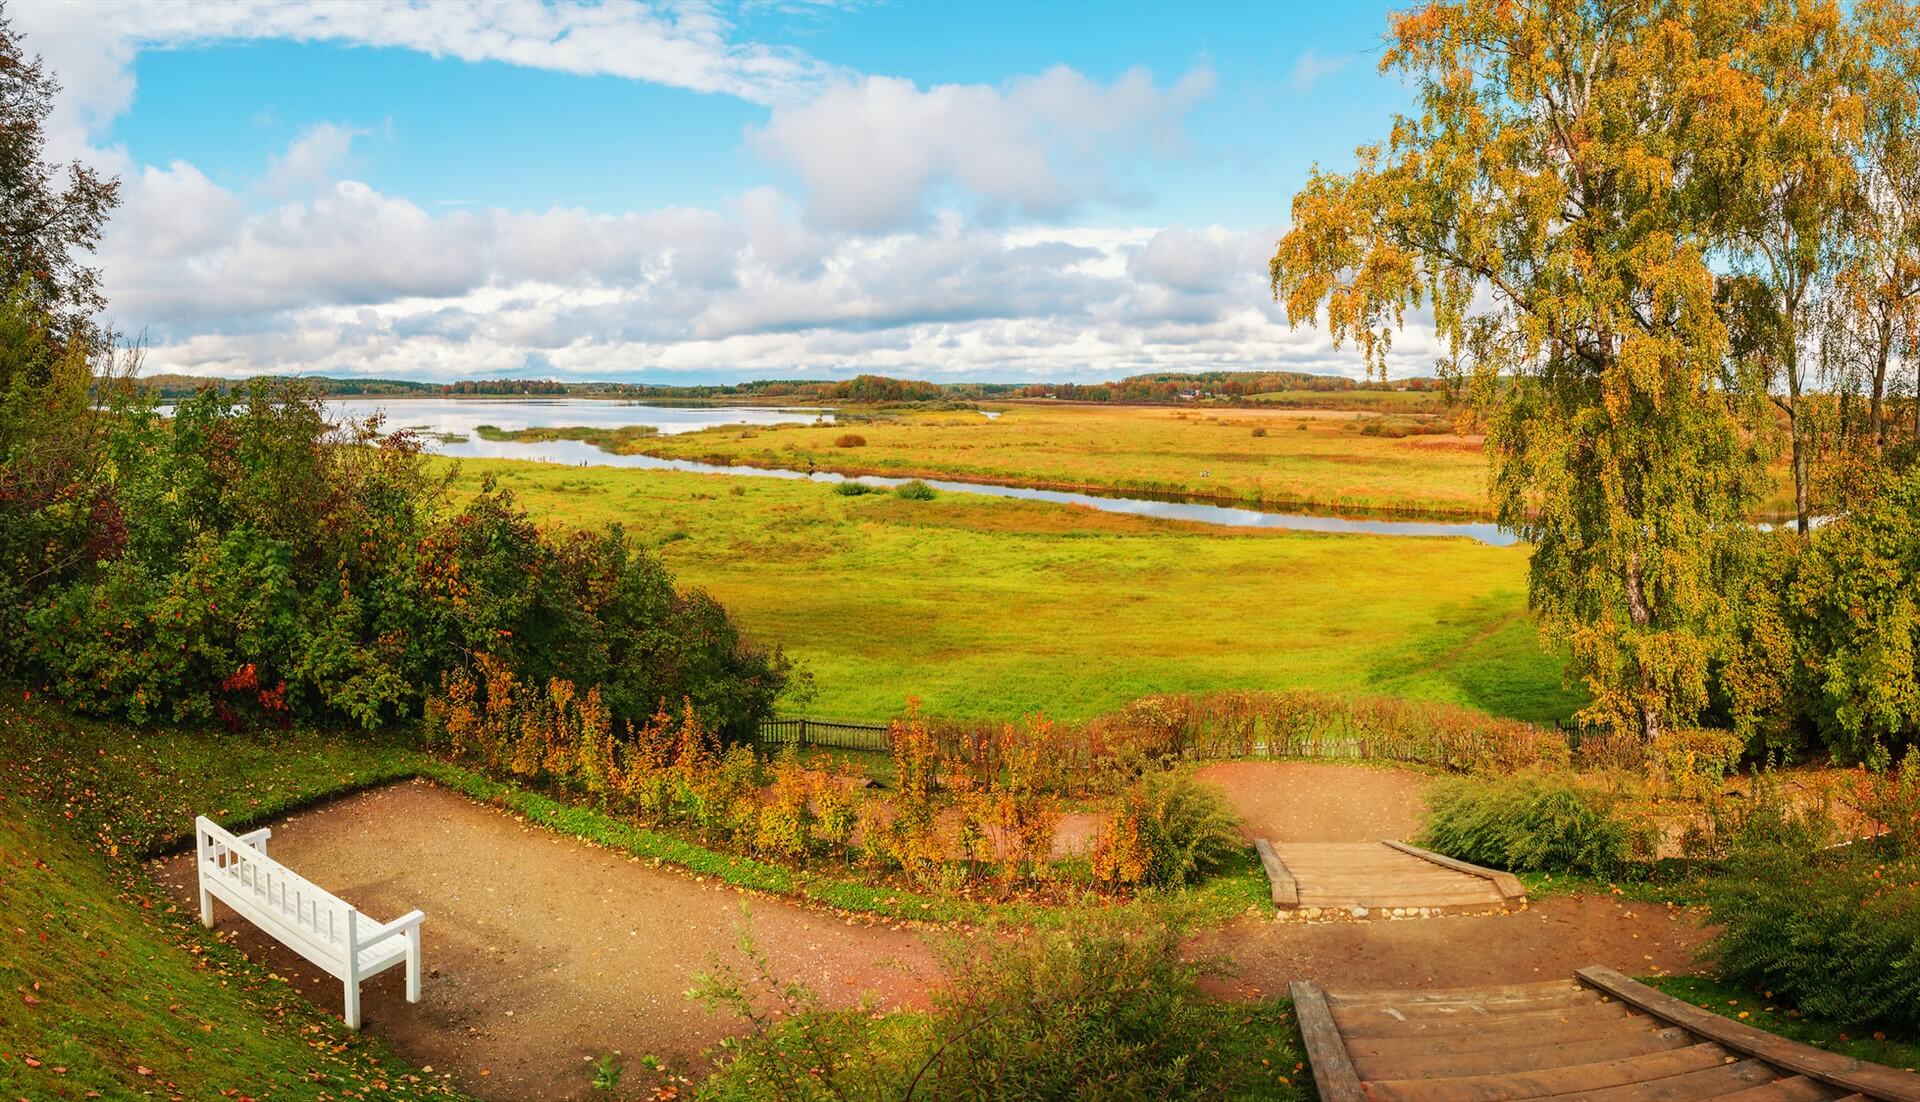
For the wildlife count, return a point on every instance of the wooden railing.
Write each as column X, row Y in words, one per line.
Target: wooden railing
column 827, row 733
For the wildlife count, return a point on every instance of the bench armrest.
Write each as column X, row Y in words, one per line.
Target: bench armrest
column 399, row 925
column 257, row 838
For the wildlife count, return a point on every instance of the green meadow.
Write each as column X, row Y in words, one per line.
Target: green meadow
column 986, row 608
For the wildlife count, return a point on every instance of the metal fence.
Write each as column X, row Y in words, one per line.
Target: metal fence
column 828, row 733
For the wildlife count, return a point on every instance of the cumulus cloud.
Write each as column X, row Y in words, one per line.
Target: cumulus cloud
column 688, row 45
column 311, row 158
column 353, row 281
column 870, row 152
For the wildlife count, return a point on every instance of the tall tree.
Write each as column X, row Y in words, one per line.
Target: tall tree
column 1882, row 282
column 1551, row 205
column 1787, row 192
column 49, row 215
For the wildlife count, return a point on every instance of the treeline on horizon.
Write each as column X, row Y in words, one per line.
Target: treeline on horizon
column 1165, row 386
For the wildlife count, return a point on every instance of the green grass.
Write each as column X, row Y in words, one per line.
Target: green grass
column 1309, row 462
column 110, row 991
column 612, row 439
column 1756, row 1009
column 993, row 609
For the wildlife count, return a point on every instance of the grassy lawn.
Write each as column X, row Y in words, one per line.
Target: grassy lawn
column 1304, row 461
column 111, row 991
column 991, row 609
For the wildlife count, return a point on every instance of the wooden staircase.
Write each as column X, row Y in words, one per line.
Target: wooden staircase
column 1374, row 879
column 1600, row 1037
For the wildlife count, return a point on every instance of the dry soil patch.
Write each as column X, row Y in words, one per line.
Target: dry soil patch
column 1291, row 801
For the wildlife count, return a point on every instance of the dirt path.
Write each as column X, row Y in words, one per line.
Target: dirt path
column 1548, row 940
column 1291, row 801
column 543, row 952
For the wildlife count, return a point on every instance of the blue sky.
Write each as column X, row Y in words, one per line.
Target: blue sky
column 634, row 191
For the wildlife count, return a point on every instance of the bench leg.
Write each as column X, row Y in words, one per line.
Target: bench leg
column 353, row 1005
column 413, row 965
column 206, row 908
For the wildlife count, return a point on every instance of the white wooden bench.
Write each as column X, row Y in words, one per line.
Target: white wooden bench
column 236, row 870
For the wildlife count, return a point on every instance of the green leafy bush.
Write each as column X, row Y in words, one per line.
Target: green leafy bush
column 1839, row 936
column 915, row 490
column 850, row 488
column 1535, row 822
column 1105, row 1008
column 255, row 561
column 1168, row 830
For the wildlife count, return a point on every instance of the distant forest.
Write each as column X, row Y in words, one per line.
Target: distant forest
column 1160, row 387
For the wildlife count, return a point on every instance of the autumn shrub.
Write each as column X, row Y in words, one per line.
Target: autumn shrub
column 1105, row 1008
column 786, row 822
column 1537, row 822
column 1837, row 934
column 1167, row 830
column 1693, row 763
column 1889, row 798
column 850, row 440
column 1259, row 432
column 915, row 490
column 1765, row 818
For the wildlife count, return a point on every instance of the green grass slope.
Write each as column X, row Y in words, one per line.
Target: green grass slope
column 991, row 609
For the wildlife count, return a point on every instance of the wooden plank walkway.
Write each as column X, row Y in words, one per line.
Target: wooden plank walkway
column 1374, row 878
column 1597, row 1037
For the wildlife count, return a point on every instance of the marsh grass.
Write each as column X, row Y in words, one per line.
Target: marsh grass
column 993, row 609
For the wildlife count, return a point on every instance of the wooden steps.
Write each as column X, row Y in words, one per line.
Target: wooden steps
column 1598, row 1038
column 1371, row 878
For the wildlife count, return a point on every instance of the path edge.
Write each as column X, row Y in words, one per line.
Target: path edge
column 1286, row 890
column 1507, row 884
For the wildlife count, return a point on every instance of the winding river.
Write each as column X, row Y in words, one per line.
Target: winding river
column 461, row 417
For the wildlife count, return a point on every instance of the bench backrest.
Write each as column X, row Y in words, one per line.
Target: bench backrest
column 272, row 894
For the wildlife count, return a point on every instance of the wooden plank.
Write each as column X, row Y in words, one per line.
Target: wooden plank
column 1551, row 1080
column 1378, row 1023
column 1457, row 994
column 1794, row 1088
column 1504, row 882
column 1286, row 891
column 1873, row 1080
column 1711, row 1083
column 1388, row 902
column 1532, row 1036
column 1416, row 1058
column 1333, row 1072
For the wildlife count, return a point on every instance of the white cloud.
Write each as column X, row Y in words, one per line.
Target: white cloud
column 1310, row 69
column 871, row 152
column 352, row 281
column 311, row 159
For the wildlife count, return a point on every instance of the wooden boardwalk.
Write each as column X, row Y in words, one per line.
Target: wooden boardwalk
column 1374, row 878
column 1599, row 1037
